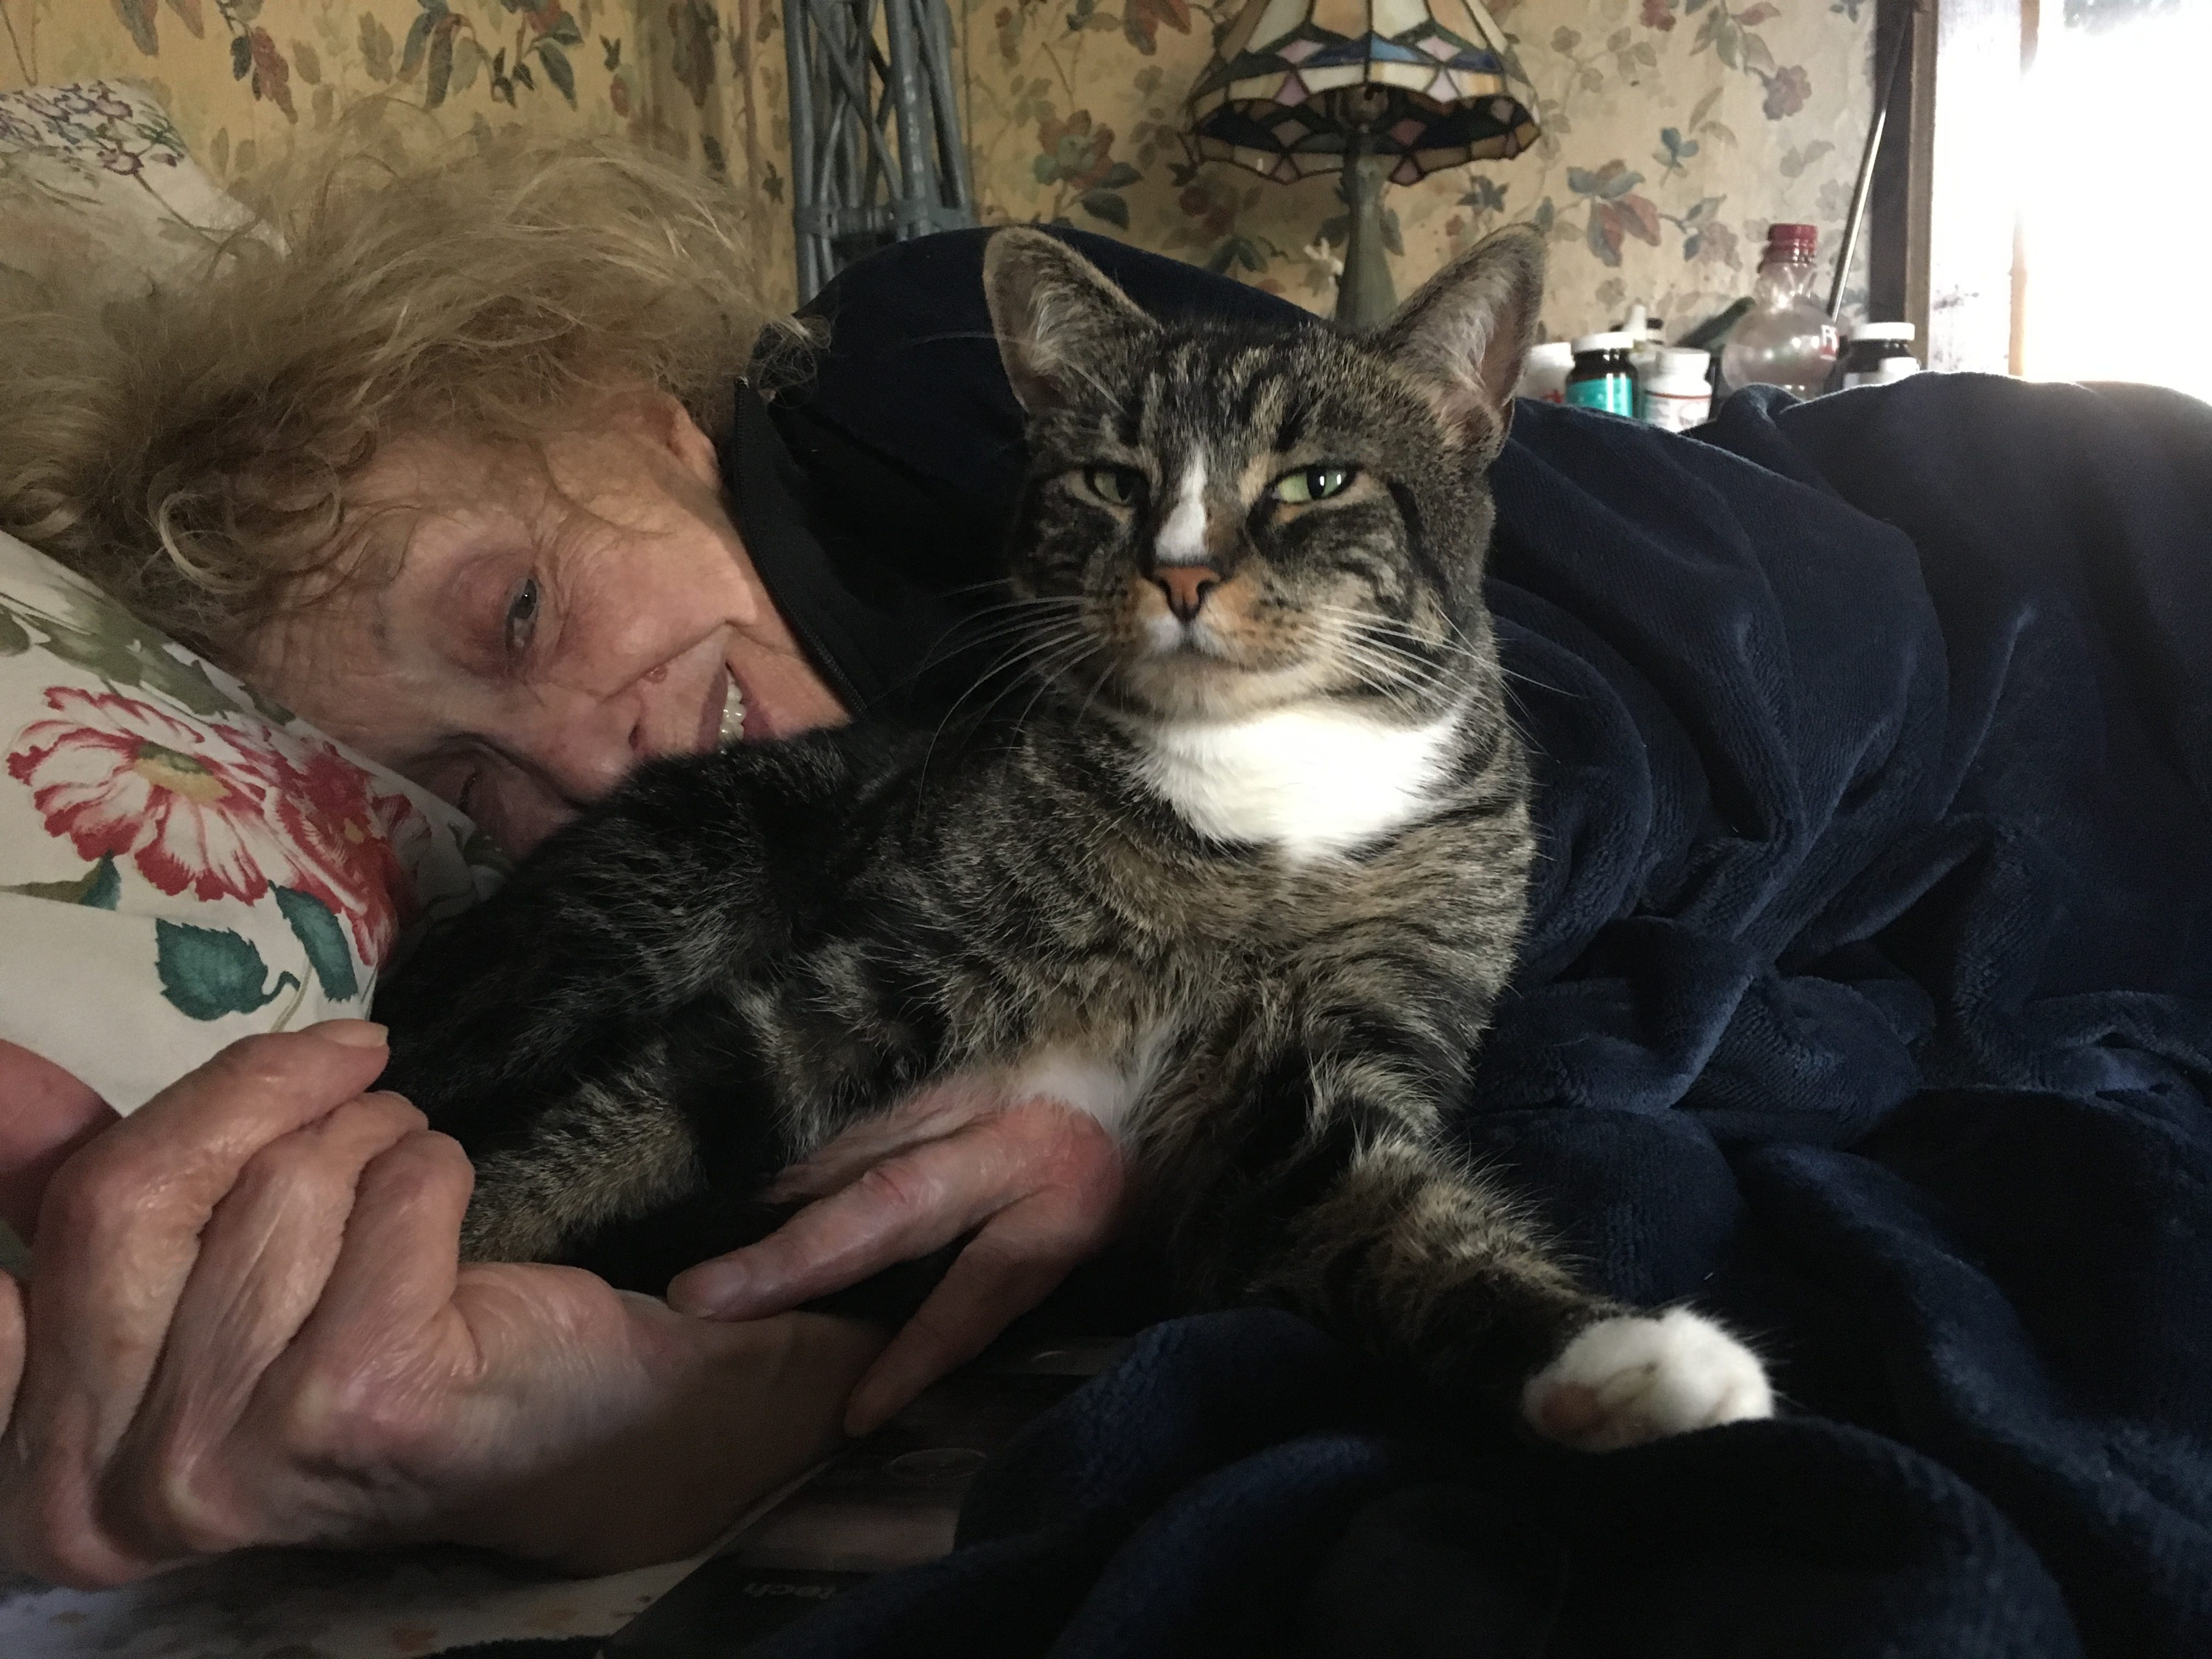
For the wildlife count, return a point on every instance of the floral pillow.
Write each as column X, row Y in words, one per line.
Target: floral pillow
column 96, row 188
column 183, row 863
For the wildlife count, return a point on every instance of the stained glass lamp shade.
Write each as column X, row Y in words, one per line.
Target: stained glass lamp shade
column 1297, row 83
column 1382, row 90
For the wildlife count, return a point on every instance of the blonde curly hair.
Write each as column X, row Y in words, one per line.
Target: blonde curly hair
column 191, row 452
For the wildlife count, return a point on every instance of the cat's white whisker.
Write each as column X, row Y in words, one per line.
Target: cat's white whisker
column 1027, row 650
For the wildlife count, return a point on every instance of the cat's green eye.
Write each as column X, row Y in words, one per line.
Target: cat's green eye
column 1311, row 483
column 1116, row 486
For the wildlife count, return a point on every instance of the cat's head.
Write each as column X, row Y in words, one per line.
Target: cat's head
column 1225, row 519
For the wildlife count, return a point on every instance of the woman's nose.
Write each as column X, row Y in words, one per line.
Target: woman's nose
column 586, row 760
column 591, row 745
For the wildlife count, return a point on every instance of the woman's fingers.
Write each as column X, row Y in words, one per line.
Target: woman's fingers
column 11, row 1344
column 940, row 1110
column 46, row 1115
column 1018, row 1260
column 120, row 1225
column 119, row 1236
column 400, row 1261
column 371, row 1390
column 264, row 1261
column 920, row 1201
column 183, row 1481
column 913, row 1203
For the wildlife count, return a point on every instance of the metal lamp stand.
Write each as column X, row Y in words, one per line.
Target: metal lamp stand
column 1365, row 294
column 876, row 151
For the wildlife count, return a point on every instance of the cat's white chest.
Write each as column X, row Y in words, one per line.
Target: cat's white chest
column 1109, row 1089
column 1308, row 782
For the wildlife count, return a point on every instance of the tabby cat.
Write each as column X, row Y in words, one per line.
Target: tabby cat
column 1242, row 880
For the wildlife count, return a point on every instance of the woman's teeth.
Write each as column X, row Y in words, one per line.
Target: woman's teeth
column 734, row 713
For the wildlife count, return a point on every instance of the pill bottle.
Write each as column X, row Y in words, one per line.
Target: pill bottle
column 1879, row 353
column 1603, row 377
column 1678, row 396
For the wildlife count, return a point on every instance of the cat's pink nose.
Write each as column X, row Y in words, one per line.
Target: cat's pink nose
column 1186, row 586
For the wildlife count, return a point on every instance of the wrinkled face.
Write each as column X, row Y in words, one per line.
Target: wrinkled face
column 539, row 627
column 1244, row 525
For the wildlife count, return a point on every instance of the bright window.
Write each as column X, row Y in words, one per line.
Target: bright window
column 2118, row 200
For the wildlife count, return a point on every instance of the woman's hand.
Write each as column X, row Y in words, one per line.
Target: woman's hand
column 247, row 1323
column 1040, row 1184
column 45, row 1114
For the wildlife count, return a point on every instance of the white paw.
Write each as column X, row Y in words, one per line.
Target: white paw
column 1626, row 1381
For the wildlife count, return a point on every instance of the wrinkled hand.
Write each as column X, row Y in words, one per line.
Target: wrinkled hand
column 1040, row 1184
column 247, row 1323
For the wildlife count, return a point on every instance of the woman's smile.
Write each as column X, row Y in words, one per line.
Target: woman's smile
column 548, row 623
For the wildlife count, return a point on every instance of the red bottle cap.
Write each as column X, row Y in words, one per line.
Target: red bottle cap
column 1793, row 237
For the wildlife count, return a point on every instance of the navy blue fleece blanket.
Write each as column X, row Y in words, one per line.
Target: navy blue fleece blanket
column 1868, row 1000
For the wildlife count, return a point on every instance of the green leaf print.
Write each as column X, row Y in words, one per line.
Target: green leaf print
column 208, row 972
column 185, row 683
column 137, row 17
column 104, row 887
column 98, row 887
column 108, row 640
column 15, row 638
column 441, row 68
column 418, row 42
column 122, row 661
column 110, row 659
column 1107, row 204
column 324, row 941
column 269, row 708
column 556, row 69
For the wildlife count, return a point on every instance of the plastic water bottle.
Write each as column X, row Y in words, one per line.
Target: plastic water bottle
column 1786, row 338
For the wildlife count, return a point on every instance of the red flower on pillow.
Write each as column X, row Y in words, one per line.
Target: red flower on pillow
column 225, row 810
column 186, row 803
column 347, row 838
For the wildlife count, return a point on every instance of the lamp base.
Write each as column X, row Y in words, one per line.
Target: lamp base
column 1365, row 296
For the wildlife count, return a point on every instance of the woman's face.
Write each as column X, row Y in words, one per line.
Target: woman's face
column 548, row 627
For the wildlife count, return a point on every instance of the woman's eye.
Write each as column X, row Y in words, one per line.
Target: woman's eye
column 1312, row 484
column 1116, row 486
column 522, row 616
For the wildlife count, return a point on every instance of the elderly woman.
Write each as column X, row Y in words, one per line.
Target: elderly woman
column 469, row 478
column 1864, row 994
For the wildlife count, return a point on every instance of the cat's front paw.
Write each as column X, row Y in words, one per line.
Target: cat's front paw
column 1626, row 1381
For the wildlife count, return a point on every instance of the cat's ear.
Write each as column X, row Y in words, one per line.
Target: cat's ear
column 1054, row 312
column 1465, row 334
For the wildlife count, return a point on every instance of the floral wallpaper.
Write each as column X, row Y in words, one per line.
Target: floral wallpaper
column 246, row 79
column 1675, row 130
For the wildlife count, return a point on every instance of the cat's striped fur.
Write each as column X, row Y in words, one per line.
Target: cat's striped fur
column 1244, row 875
